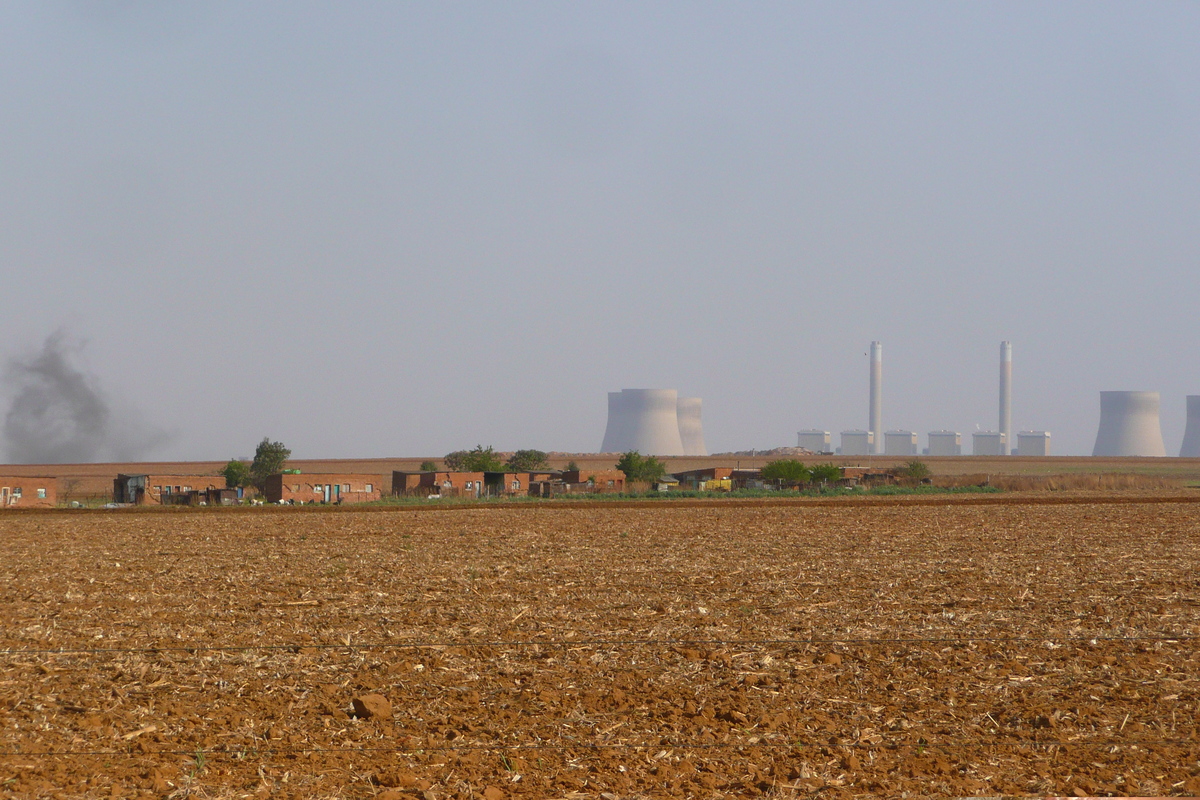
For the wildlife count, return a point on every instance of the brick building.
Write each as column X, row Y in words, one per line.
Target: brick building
column 439, row 484
column 505, row 484
column 28, row 492
column 323, row 487
column 156, row 490
column 596, row 480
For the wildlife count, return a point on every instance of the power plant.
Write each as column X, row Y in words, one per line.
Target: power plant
column 873, row 440
column 655, row 422
column 1129, row 425
column 1191, row 433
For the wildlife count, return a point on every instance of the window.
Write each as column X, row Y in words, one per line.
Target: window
column 42, row 494
column 345, row 487
column 176, row 490
column 369, row 488
column 187, row 488
column 610, row 483
column 16, row 491
column 166, row 490
column 158, row 489
column 295, row 487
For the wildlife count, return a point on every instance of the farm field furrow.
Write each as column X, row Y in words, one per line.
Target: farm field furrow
column 798, row 650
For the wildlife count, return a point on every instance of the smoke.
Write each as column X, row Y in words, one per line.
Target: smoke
column 61, row 416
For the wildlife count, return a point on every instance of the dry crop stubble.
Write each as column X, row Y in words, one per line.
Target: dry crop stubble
column 534, row 652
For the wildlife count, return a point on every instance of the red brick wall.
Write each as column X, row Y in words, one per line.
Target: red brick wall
column 30, row 489
column 155, row 485
column 600, row 477
column 303, row 488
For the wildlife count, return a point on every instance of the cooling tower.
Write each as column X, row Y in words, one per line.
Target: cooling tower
column 1006, row 394
column 876, row 426
column 1191, row 434
column 1129, row 425
column 691, row 432
column 646, row 420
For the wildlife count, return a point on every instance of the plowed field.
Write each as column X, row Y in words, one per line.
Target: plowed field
column 574, row 651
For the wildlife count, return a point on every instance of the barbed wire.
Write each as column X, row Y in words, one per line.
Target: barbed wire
column 599, row 643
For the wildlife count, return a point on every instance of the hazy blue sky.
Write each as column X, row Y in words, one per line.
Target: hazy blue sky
column 376, row 229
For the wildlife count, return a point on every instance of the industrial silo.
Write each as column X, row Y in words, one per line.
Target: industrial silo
column 1129, row 425
column 646, row 420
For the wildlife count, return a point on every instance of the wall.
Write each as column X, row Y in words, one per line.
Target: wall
column 311, row 488
column 28, row 492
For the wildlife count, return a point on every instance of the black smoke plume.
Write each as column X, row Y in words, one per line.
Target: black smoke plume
column 61, row 416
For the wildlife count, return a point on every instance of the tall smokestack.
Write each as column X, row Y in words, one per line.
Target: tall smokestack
column 876, row 426
column 1006, row 395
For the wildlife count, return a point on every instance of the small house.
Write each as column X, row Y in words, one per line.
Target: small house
column 322, row 487
column 156, row 490
column 438, row 484
column 28, row 492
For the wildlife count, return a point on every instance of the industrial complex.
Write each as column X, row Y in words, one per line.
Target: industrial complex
column 1129, row 426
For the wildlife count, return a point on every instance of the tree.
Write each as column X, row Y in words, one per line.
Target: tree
column 236, row 473
column 638, row 467
column 526, row 460
column 824, row 473
column 915, row 469
column 269, row 459
column 572, row 466
column 787, row 471
column 428, row 466
column 480, row 459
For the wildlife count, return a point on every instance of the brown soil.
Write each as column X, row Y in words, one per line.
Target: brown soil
column 713, row 650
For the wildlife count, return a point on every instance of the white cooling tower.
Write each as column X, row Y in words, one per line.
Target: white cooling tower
column 646, row 420
column 1006, row 394
column 1129, row 425
column 876, row 422
column 691, row 431
column 1191, row 433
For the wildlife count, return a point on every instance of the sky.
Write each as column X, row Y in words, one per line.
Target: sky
column 381, row 229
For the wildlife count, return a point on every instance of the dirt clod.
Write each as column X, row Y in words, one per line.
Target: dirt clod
column 372, row 706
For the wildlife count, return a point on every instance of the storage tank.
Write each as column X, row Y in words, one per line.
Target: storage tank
column 646, row 420
column 691, row 432
column 1129, row 425
column 1191, row 433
